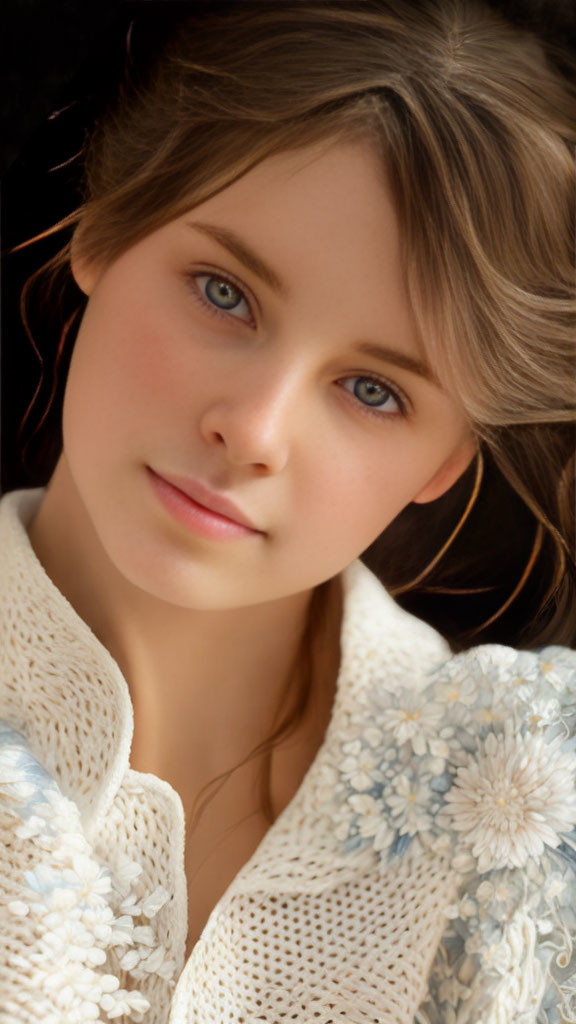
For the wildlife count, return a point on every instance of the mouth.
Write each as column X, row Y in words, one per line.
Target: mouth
column 204, row 511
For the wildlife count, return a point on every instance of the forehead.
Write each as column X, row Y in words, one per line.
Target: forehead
column 337, row 186
column 319, row 226
column 325, row 208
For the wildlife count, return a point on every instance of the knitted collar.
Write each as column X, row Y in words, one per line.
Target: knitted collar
column 57, row 677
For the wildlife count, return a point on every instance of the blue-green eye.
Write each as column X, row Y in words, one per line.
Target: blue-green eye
column 222, row 293
column 375, row 395
column 220, row 296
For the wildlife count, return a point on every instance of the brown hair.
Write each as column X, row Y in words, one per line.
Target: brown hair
column 476, row 125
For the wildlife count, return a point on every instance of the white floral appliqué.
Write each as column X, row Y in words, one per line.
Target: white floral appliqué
column 514, row 796
column 480, row 765
column 89, row 926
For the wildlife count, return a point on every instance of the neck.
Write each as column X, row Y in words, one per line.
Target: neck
column 210, row 682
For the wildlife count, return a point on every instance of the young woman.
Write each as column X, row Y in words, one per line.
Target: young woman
column 324, row 271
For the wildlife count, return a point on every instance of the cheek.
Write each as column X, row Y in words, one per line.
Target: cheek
column 352, row 492
column 357, row 493
column 122, row 375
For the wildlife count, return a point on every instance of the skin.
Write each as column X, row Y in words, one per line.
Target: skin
column 258, row 404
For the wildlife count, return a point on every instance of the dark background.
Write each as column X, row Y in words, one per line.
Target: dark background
column 59, row 63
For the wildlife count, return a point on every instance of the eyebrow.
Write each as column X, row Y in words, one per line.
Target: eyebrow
column 242, row 252
column 400, row 359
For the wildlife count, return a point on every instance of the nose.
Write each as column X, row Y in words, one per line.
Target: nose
column 253, row 416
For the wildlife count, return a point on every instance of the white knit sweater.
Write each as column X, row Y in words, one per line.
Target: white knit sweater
column 425, row 869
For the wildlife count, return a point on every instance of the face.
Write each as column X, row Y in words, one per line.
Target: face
column 291, row 384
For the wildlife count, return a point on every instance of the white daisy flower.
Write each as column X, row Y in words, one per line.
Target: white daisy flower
column 361, row 769
column 409, row 804
column 372, row 823
column 90, row 877
column 544, row 712
column 461, row 688
column 551, row 666
column 366, row 805
column 513, row 797
column 414, row 719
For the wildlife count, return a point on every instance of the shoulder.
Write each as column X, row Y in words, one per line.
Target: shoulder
column 65, row 915
column 477, row 762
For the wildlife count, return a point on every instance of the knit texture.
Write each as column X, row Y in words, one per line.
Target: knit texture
column 313, row 928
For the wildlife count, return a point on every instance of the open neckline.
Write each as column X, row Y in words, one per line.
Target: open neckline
column 149, row 779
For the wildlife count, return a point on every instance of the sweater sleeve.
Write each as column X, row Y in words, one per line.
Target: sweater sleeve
column 69, row 925
column 508, row 955
column 479, row 765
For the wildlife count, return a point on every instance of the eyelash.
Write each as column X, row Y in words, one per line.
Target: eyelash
column 373, row 411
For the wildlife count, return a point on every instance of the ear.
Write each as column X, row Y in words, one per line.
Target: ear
column 84, row 272
column 454, row 466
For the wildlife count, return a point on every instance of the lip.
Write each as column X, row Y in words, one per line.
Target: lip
column 223, row 511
